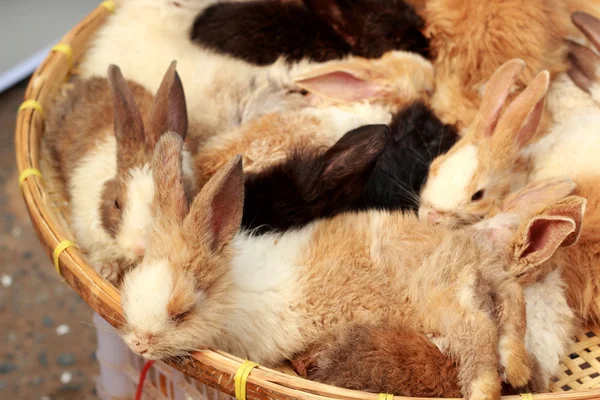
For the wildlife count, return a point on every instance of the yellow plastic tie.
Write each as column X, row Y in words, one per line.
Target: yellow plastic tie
column 241, row 379
column 65, row 49
column 62, row 246
column 32, row 105
column 385, row 396
column 109, row 5
column 527, row 396
column 27, row 173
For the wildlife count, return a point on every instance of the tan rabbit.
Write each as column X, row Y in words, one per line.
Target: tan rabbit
column 501, row 152
column 345, row 95
column 488, row 163
column 101, row 134
column 392, row 358
column 204, row 283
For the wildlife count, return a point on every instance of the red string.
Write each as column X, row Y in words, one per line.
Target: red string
column 140, row 388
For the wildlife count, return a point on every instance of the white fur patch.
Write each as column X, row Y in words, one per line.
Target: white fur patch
column 85, row 187
column 263, row 327
column 339, row 120
column 448, row 189
column 137, row 214
column 571, row 148
column 549, row 323
column 146, row 293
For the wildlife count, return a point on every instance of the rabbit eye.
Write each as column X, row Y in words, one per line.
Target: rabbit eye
column 117, row 205
column 181, row 317
column 478, row 195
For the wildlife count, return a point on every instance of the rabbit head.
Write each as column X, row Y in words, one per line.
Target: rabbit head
column 488, row 162
column 313, row 184
column 126, row 199
column 395, row 80
column 176, row 300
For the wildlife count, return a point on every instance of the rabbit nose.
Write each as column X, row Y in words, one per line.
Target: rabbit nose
column 139, row 347
column 138, row 249
column 433, row 216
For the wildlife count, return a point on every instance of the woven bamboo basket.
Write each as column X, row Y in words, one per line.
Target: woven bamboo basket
column 580, row 373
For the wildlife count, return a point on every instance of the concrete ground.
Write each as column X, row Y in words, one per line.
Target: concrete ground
column 47, row 342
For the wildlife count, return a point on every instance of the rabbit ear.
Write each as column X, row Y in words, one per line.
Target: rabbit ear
column 519, row 124
column 128, row 124
column 169, row 193
column 169, row 111
column 333, row 12
column 572, row 207
column 495, row 94
column 216, row 213
column 589, row 25
column 556, row 226
column 538, row 195
column 352, row 159
column 346, row 81
column 585, row 65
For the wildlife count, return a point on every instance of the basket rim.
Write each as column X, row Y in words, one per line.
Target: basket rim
column 214, row 368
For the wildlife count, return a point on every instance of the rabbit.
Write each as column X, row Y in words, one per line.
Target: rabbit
column 500, row 154
column 468, row 43
column 354, row 357
column 344, row 95
column 260, row 32
column 488, row 162
column 101, row 134
column 201, row 278
column 143, row 36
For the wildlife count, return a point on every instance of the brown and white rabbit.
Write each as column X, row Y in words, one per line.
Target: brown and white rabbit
column 469, row 41
column 202, row 278
column 355, row 357
column 101, row 135
column 143, row 36
column 345, row 95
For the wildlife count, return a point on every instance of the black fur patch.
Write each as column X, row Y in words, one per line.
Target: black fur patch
column 313, row 184
column 260, row 32
column 418, row 137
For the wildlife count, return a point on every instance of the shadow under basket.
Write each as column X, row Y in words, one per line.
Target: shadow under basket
column 208, row 374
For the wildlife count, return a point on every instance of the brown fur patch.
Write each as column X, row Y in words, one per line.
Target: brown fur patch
column 380, row 359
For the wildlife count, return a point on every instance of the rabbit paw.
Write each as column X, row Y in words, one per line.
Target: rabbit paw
column 110, row 272
column 515, row 361
column 486, row 387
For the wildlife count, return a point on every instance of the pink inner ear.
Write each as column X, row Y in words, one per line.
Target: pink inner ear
column 539, row 236
column 544, row 237
column 340, row 86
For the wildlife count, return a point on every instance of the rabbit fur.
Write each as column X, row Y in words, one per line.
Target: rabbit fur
column 143, row 36
column 345, row 95
column 300, row 285
column 261, row 32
